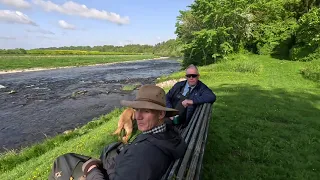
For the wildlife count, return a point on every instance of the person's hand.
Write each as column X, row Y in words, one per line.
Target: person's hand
column 187, row 102
column 171, row 118
column 91, row 167
column 90, row 164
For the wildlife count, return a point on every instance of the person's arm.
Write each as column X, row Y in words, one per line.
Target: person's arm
column 96, row 174
column 207, row 96
column 133, row 167
column 91, row 170
column 169, row 97
column 142, row 164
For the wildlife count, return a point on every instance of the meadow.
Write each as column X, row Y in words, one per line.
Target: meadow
column 20, row 62
column 265, row 125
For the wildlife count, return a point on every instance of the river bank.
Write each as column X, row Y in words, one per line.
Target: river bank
column 15, row 64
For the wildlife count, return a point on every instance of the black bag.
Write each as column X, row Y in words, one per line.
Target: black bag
column 182, row 110
column 68, row 167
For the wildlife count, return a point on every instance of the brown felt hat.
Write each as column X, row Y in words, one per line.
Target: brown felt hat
column 151, row 97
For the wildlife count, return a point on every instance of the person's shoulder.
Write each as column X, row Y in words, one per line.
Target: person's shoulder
column 180, row 83
column 202, row 85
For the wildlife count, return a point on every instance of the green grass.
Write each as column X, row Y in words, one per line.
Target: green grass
column 30, row 61
column 265, row 125
column 311, row 71
column 128, row 87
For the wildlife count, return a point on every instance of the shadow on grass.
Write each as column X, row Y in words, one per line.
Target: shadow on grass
column 263, row 134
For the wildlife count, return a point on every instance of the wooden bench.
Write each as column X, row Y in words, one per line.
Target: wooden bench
column 195, row 134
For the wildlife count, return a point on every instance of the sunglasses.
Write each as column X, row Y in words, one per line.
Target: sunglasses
column 192, row 75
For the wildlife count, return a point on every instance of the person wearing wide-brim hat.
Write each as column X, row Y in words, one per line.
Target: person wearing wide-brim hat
column 151, row 153
column 150, row 98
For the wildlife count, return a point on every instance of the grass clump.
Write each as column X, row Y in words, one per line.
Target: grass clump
column 128, row 87
column 311, row 71
column 239, row 63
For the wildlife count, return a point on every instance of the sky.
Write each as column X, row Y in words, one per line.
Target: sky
column 41, row 23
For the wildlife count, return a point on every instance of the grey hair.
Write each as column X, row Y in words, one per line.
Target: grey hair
column 191, row 66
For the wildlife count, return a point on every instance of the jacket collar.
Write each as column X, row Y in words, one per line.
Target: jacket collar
column 185, row 81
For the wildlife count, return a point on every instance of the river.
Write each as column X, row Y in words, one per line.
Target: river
column 40, row 104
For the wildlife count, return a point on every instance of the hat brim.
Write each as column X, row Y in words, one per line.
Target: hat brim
column 149, row 105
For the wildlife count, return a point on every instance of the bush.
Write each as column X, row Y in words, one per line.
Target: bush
column 308, row 37
column 311, row 71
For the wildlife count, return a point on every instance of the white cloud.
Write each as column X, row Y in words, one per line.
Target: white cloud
column 72, row 8
column 41, row 31
column 66, row 25
column 46, row 37
column 22, row 4
column 15, row 17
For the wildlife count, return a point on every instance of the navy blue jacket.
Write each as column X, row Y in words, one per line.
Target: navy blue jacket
column 199, row 95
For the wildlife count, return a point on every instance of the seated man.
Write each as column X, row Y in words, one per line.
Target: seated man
column 150, row 154
column 186, row 95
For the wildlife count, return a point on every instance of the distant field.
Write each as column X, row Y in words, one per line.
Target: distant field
column 76, row 52
column 14, row 62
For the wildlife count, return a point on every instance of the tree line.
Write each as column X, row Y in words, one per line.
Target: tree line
column 285, row 29
column 170, row 48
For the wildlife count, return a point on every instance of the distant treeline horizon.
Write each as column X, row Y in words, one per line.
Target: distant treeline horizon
column 166, row 48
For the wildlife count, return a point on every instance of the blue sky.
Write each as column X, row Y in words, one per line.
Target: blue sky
column 41, row 23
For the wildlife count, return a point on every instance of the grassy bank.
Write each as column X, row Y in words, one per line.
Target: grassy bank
column 265, row 125
column 35, row 162
column 29, row 61
column 266, row 122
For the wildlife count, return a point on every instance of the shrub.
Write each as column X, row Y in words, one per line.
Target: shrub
column 311, row 71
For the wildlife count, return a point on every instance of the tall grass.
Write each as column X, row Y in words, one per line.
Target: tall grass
column 311, row 71
column 238, row 63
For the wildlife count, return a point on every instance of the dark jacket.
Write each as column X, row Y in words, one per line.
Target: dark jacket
column 199, row 95
column 147, row 157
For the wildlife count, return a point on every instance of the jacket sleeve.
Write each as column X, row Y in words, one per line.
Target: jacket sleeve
column 140, row 165
column 206, row 96
column 96, row 174
column 169, row 96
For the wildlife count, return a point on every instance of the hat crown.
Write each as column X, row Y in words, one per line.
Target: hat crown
column 151, row 93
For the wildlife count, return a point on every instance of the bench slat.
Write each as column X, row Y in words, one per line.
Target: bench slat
column 199, row 168
column 196, row 154
column 173, row 167
column 190, row 148
column 195, row 135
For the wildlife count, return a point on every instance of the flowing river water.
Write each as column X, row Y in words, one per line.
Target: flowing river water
column 40, row 104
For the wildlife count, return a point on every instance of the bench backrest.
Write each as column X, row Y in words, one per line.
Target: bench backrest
column 195, row 135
